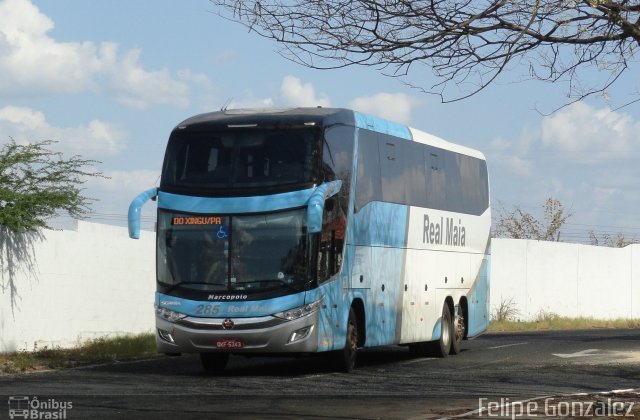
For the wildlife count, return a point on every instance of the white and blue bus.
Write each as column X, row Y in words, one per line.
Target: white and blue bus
column 317, row 230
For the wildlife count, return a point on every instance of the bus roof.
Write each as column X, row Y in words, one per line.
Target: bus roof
column 426, row 138
column 286, row 117
column 270, row 117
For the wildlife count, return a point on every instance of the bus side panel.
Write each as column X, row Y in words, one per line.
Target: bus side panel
column 446, row 266
column 362, row 269
column 380, row 306
column 331, row 331
column 385, row 296
column 431, row 278
column 379, row 224
column 378, row 232
column 419, row 306
column 479, row 301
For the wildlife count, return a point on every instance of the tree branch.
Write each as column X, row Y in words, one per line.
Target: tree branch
column 466, row 45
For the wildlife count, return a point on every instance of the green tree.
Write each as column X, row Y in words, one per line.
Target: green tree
column 466, row 45
column 520, row 224
column 37, row 183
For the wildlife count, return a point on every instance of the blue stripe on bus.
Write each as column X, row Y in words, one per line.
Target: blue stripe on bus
column 380, row 125
column 383, row 228
column 233, row 309
column 379, row 224
column 437, row 330
column 479, row 300
column 229, row 205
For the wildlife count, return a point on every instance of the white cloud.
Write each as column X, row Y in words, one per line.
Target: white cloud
column 582, row 155
column 590, row 135
column 515, row 155
column 249, row 101
column 576, row 135
column 135, row 87
column 129, row 183
column 294, row 93
column 97, row 138
column 518, row 166
column 115, row 193
column 392, row 106
column 34, row 64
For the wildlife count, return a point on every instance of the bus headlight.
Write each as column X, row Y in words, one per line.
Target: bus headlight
column 166, row 336
column 301, row 334
column 169, row 315
column 300, row 311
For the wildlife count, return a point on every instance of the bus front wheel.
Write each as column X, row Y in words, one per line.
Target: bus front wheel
column 346, row 358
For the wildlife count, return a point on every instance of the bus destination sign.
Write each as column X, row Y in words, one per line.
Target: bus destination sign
column 197, row 220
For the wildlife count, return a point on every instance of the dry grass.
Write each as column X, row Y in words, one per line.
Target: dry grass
column 547, row 322
column 506, row 317
column 100, row 350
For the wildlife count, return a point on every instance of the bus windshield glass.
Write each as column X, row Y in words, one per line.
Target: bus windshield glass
column 232, row 253
column 226, row 160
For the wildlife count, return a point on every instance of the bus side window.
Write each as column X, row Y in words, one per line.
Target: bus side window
column 337, row 160
column 368, row 186
column 392, row 167
column 436, row 180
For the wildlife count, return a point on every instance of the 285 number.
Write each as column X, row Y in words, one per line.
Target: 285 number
column 207, row 309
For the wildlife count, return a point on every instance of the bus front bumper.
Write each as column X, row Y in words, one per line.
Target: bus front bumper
column 269, row 335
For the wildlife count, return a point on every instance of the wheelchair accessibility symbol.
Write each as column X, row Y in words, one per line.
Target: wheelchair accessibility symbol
column 222, row 232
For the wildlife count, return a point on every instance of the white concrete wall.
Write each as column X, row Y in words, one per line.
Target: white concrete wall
column 91, row 282
column 97, row 282
column 565, row 279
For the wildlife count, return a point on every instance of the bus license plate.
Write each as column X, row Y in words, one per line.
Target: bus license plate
column 229, row 343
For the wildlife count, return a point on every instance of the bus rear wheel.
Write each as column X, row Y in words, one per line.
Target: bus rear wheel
column 441, row 347
column 458, row 334
column 214, row 362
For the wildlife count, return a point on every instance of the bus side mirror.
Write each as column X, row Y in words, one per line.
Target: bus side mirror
column 134, row 211
column 317, row 202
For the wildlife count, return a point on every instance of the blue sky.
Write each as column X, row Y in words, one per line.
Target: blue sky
column 110, row 79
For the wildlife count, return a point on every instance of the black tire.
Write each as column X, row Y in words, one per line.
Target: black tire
column 442, row 347
column 458, row 330
column 345, row 359
column 214, row 362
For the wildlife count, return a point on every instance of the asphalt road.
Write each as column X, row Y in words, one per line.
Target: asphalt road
column 388, row 383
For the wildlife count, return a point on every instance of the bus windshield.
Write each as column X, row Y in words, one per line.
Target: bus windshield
column 232, row 253
column 241, row 159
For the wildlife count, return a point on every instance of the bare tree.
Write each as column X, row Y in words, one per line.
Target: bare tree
column 520, row 224
column 606, row 239
column 465, row 44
